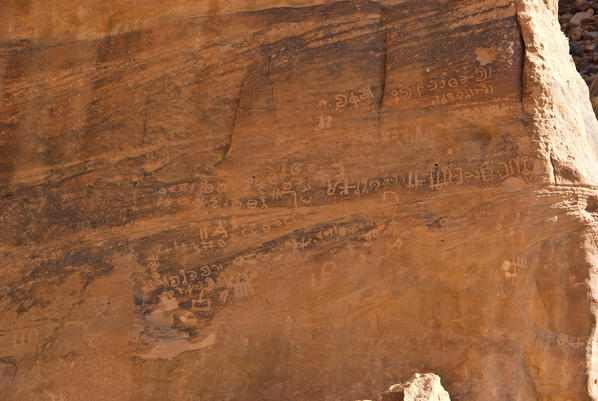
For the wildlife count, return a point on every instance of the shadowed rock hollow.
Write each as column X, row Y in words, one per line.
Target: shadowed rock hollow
column 293, row 200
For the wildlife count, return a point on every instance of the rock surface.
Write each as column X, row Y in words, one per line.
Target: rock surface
column 293, row 200
column 579, row 21
column 421, row 387
column 594, row 95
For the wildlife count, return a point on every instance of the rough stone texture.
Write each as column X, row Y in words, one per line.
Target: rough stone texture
column 579, row 22
column 293, row 200
column 555, row 98
column 421, row 387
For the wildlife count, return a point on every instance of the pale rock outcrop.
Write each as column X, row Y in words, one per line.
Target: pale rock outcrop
column 421, row 387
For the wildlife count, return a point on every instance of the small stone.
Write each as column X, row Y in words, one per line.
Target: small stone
column 581, row 4
column 421, row 387
column 580, row 18
column 582, row 63
column 575, row 49
column 566, row 16
column 591, row 36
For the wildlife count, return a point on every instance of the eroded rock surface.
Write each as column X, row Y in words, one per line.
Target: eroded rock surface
column 294, row 200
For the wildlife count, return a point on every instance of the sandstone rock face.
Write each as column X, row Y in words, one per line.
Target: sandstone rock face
column 421, row 387
column 294, row 200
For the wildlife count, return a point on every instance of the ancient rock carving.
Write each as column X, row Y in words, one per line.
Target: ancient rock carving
column 231, row 200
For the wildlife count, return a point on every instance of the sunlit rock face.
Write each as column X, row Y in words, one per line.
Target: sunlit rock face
column 294, row 200
column 421, row 387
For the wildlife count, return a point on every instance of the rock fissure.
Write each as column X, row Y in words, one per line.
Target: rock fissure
column 384, row 72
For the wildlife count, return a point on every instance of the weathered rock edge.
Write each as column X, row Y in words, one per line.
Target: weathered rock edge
column 421, row 387
column 555, row 97
column 556, row 102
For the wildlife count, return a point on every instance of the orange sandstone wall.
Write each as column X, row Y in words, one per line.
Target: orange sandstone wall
column 294, row 200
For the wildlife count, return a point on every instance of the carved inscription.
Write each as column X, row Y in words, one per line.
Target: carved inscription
column 348, row 101
column 291, row 183
column 437, row 177
column 295, row 184
column 217, row 234
column 516, row 271
column 206, row 286
column 453, row 87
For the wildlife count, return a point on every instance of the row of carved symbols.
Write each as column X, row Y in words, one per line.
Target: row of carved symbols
column 218, row 235
column 348, row 101
column 436, row 178
column 296, row 184
column 460, row 86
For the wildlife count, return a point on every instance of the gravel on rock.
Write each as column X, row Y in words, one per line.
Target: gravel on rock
column 579, row 22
